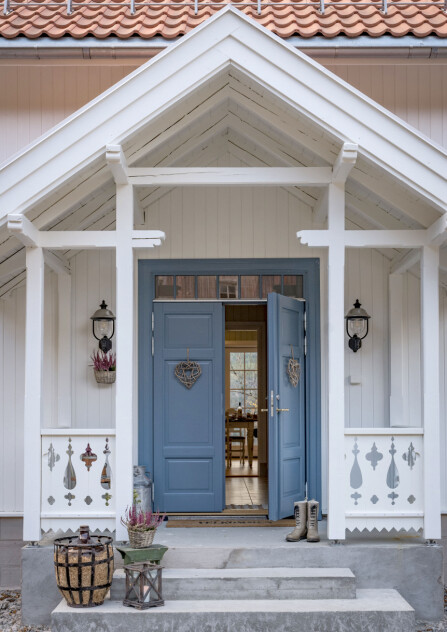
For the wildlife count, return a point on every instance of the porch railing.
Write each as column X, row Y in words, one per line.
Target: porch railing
column 78, row 469
column 384, row 478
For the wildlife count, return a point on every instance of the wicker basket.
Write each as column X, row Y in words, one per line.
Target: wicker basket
column 140, row 539
column 84, row 572
column 105, row 377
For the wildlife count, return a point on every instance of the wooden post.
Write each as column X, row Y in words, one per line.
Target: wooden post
column 430, row 392
column 336, row 386
column 33, row 392
column 64, row 351
column 124, row 352
column 397, row 404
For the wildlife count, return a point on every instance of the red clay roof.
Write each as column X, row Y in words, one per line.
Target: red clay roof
column 100, row 19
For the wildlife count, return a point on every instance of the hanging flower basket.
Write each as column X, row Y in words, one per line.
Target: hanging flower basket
column 105, row 377
column 104, row 366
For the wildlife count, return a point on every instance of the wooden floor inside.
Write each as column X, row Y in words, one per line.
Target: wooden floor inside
column 244, row 489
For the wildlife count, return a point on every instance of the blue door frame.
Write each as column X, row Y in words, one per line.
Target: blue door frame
column 308, row 268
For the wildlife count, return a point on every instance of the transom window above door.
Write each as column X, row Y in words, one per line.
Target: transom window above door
column 227, row 286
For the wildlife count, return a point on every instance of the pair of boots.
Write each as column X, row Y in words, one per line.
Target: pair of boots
column 306, row 521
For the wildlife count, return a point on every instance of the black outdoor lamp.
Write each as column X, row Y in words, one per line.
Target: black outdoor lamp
column 104, row 326
column 357, row 325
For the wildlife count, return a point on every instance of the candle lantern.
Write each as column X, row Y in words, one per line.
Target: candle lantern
column 143, row 585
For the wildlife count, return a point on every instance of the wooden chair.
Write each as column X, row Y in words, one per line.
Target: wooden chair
column 234, row 442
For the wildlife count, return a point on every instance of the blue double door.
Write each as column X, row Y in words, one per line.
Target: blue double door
column 189, row 423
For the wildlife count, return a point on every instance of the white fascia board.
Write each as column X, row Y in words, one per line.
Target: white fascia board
column 228, row 38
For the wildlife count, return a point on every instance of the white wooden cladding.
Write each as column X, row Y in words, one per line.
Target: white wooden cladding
column 384, row 479
column 89, row 498
column 41, row 94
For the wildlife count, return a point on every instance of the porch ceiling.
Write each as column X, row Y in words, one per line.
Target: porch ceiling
column 233, row 107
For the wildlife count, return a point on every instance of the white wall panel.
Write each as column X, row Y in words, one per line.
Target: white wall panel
column 40, row 94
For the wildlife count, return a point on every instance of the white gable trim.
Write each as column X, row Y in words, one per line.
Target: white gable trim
column 228, row 38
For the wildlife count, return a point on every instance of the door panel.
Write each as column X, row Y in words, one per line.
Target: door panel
column 189, row 426
column 287, row 468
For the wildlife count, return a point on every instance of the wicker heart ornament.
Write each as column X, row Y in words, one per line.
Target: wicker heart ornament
column 293, row 370
column 188, row 372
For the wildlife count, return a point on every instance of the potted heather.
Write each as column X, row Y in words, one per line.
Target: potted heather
column 104, row 366
column 141, row 526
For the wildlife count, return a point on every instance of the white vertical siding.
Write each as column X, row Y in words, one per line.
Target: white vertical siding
column 41, row 94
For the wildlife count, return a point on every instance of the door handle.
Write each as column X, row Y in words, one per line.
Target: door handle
column 264, row 410
column 282, row 410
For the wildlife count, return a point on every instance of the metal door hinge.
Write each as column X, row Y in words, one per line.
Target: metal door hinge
column 153, row 346
column 153, row 321
column 305, row 333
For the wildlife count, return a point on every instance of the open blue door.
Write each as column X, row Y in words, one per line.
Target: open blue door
column 188, row 422
column 286, row 405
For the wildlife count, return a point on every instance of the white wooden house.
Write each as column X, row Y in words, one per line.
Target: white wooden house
column 229, row 156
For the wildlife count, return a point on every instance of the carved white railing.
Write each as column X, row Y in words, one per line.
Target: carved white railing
column 384, row 478
column 77, row 488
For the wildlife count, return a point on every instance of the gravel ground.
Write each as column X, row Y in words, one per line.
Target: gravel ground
column 10, row 619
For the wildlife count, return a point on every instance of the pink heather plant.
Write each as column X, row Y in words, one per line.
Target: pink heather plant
column 139, row 520
column 103, row 361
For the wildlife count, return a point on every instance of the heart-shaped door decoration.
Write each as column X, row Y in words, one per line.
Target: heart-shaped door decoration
column 188, row 372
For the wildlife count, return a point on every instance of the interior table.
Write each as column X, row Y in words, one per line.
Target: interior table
column 249, row 425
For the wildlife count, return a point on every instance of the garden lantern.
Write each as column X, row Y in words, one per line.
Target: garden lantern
column 357, row 325
column 104, row 326
column 143, row 585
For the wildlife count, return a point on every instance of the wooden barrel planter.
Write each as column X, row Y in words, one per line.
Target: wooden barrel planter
column 84, row 568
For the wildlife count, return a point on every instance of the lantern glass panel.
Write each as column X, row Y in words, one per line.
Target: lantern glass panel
column 103, row 328
column 357, row 326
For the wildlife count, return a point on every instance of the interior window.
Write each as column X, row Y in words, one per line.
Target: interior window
column 244, row 381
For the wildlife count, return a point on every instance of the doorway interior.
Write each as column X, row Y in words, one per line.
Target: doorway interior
column 246, row 431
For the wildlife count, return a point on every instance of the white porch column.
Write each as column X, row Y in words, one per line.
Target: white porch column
column 430, row 392
column 33, row 392
column 64, row 351
column 336, row 354
column 124, row 352
column 397, row 405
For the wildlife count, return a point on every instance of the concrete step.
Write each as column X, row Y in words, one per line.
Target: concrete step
column 371, row 611
column 250, row 583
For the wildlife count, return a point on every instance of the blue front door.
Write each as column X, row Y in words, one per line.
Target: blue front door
column 286, row 405
column 188, row 422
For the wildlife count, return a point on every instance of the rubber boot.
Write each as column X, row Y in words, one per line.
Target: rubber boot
column 300, row 521
column 312, row 521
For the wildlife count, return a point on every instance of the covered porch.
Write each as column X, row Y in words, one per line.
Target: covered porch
column 213, row 150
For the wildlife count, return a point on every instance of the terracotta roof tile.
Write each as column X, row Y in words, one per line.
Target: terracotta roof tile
column 36, row 18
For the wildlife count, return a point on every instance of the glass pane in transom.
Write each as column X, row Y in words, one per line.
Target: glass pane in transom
column 186, row 286
column 164, row 287
column 206, row 287
column 249, row 286
column 271, row 283
column 228, row 287
column 293, row 286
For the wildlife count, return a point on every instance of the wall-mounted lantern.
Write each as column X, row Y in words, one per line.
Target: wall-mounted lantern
column 357, row 325
column 104, row 326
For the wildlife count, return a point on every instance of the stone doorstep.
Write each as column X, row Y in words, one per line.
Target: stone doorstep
column 250, row 583
column 371, row 611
